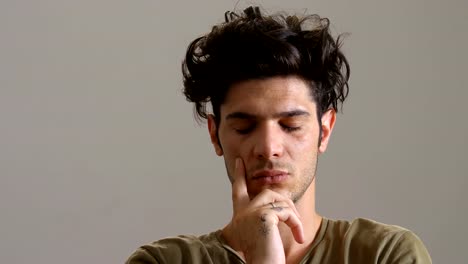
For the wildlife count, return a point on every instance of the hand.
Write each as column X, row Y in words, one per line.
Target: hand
column 254, row 225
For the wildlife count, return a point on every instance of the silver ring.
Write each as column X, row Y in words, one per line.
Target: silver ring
column 272, row 205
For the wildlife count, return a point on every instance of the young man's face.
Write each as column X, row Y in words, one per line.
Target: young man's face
column 271, row 124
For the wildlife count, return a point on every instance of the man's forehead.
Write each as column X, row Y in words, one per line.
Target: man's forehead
column 273, row 96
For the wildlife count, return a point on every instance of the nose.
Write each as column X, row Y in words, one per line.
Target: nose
column 268, row 142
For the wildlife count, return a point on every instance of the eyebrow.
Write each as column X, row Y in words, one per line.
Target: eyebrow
column 243, row 115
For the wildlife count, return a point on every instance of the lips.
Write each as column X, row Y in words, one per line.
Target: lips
column 268, row 173
column 270, row 176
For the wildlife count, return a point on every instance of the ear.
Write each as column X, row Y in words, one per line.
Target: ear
column 328, row 121
column 213, row 130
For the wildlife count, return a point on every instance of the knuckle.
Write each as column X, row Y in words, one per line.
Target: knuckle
column 266, row 215
column 266, row 192
column 272, row 193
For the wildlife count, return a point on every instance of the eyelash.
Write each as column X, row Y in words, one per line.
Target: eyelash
column 290, row 129
column 248, row 130
column 244, row 131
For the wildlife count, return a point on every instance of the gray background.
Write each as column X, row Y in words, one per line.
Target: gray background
column 99, row 152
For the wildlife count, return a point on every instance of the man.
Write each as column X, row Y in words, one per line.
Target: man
column 275, row 84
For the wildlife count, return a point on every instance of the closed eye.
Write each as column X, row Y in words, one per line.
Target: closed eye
column 244, row 131
column 290, row 128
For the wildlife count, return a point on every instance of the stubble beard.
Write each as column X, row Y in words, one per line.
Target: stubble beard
column 307, row 176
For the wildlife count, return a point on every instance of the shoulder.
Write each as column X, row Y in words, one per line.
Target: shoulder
column 375, row 230
column 178, row 249
column 387, row 243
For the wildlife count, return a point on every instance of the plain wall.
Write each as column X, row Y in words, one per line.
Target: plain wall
column 99, row 152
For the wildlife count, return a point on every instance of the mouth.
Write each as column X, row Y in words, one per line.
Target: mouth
column 270, row 176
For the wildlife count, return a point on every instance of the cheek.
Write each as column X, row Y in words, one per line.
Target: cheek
column 233, row 147
column 301, row 150
column 304, row 155
column 305, row 142
column 228, row 142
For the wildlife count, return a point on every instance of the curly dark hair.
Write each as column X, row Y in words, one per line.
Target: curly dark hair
column 252, row 46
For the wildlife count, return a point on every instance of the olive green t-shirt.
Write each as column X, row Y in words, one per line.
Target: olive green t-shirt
column 338, row 242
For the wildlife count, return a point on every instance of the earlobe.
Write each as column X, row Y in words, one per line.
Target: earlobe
column 328, row 122
column 213, row 131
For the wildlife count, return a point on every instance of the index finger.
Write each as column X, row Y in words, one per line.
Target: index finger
column 240, row 196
